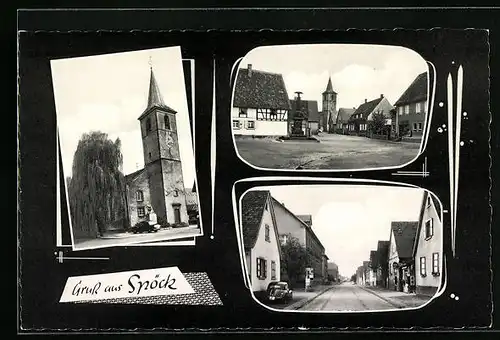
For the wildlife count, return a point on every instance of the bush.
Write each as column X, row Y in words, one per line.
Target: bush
column 162, row 221
column 180, row 225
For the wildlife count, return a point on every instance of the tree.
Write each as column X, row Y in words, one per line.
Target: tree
column 353, row 277
column 378, row 123
column 97, row 187
column 295, row 258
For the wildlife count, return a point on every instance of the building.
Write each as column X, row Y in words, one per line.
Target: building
column 366, row 273
column 328, row 115
column 192, row 206
column 360, row 276
column 333, row 271
column 303, row 118
column 401, row 261
column 373, row 266
column 382, row 264
column 260, row 240
column 160, row 184
column 358, row 122
column 289, row 225
column 324, row 273
column 411, row 108
column 260, row 104
column 342, row 122
column 428, row 246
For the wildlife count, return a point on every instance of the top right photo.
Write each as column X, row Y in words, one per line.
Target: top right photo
column 330, row 107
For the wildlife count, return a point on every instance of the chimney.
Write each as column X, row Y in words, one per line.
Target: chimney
column 382, row 95
column 366, row 100
column 249, row 70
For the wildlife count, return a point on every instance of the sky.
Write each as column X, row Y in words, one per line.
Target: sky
column 358, row 72
column 109, row 92
column 349, row 220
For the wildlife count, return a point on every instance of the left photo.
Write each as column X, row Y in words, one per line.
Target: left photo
column 127, row 149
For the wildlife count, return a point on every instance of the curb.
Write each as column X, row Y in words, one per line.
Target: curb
column 303, row 302
column 397, row 305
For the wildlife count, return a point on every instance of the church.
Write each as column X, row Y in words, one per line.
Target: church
column 160, row 184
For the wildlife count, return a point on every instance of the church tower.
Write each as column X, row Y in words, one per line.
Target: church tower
column 329, row 108
column 162, row 159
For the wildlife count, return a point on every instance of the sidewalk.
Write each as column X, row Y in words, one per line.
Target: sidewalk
column 300, row 297
column 398, row 299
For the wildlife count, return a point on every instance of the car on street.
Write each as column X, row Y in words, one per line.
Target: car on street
column 145, row 227
column 279, row 291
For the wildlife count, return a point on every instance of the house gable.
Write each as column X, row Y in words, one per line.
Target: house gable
column 416, row 92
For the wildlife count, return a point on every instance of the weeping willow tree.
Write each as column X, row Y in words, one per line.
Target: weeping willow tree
column 97, row 187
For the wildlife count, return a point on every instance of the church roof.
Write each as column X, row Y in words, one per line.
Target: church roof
column 155, row 98
column 329, row 87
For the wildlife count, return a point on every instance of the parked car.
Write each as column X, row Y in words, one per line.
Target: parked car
column 279, row 291
column 145, row 227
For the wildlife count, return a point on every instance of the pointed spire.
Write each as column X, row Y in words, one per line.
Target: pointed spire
column 154, row 98
column 329, row 87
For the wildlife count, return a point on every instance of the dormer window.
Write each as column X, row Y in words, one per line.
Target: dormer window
column 166, row 120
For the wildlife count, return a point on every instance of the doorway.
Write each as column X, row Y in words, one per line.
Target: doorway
column 177, row 214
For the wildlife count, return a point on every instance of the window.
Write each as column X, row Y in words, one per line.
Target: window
column 150, row 155
column 268, row 232
column 176, row 193
column 407, row 109
column 243, row 113
column 177, row 213
column 141, row 212
column 423, row 264
column 261, row 268
column 429, row 228
column 166, row 120
column 148, row 125
column 251, row 125
column 236, row 124
column 139, row 196
column 273, row 270
column 435, row 263
column 272, row 114
column 418, row 107
column 419, row 127
column 400, row 110
column 414, row 126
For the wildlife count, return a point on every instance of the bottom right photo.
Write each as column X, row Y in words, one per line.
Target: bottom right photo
column 342, row 247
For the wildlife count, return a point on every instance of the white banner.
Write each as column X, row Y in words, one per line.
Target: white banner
column 136, row 283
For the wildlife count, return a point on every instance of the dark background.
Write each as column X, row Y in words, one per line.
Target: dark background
column 232, row 34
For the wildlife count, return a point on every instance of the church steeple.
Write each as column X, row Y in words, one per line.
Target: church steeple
column 329, row 87
column 154, row 98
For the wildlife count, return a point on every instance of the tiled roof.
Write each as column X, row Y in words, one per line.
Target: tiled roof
column 417, row 91
column 344, row 115
column 252, row 208
column 130, row 177
column 306, row 218
column 366, row 108
column 382, row 251
column 309, row 107
column 404, row 236
column 260, row 90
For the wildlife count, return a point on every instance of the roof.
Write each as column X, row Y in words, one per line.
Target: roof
column 344, row 114
column 417, row 91
column 309, row 108
column 258, row 89
column 306, row 218
column 373, row 257
column 130, row 177
column 155, row 99
column 252, row 208
column 329, row 87
column 404, row 237
column 382, row 251
column 366, row 108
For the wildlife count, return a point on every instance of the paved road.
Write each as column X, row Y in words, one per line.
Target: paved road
column 334, row 152
column 347, row 297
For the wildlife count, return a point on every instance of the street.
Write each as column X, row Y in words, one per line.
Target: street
column 162, row 235
column 333, row 152
column 347, row 297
